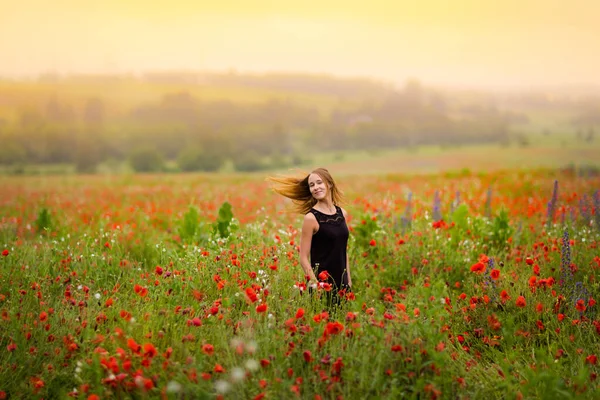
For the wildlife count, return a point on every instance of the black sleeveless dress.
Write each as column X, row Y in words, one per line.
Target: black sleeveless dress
column 328, row 247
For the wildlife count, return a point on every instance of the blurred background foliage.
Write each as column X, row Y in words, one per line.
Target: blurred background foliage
column 184, row 122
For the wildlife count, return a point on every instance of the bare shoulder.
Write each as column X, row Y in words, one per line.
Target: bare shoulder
column 309, row 218
column 344, row 212
column 310, row 223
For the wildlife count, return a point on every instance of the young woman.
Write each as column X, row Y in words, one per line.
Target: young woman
column 323, row 246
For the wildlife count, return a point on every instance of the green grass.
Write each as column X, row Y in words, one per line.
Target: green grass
column 123, row 263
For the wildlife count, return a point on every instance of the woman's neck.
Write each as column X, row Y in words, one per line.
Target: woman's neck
column 326, row 205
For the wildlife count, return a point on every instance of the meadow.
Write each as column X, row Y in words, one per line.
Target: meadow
column 466, row 285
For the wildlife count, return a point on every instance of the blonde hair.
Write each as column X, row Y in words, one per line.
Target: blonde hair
column 297, row 189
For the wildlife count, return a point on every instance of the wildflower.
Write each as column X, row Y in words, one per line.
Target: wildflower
column 252, row 364
column 372, row 243
column 307, row 356
column 495, row 274
column 219, row 369
column 529, row 261
column 208, row 349
column 521, row 302
column 591, row 359
column 251, row 295
column 173, row 387
column 323, row 276
column 300, row 313
column 478, row 267
column 261, row 308
column 333, row 328
column 5, row 252
column 150, row 350
column 397, row 348
column 539, row 308
column 125, row 315
column 540, row 325
column 133, row 346
column 237, row 374
column 222, row 386
column 264, row 363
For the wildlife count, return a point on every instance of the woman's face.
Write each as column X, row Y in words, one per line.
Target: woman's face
column 318, row 187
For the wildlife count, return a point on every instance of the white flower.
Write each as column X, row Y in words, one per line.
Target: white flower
column 97, row 296
column 222, row 386
column 252, row 364
column 251, row 346
column 237, row 374
column 173, row 387
column 235, row 342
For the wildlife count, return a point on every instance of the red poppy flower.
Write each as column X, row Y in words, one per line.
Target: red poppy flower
column 478, row 267
column 219, row 369
column 150, row 350
column 591, row 359
column 208, row 349
column 251, row 294
column 333, row 328
column 133, row 346
column 521, row 302
column 5, row 252
column 495, row 274
column 323, row 276
column 529, row 261
column 261, row 308
column 307, row 356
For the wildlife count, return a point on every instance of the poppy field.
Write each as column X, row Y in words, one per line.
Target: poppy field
column 466, row 285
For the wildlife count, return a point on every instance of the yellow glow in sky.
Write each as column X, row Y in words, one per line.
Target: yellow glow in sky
column 452, row 42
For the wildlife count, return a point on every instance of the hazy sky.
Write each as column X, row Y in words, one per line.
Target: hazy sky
column 457, row 42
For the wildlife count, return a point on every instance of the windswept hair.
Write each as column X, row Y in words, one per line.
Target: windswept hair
column 297, row 189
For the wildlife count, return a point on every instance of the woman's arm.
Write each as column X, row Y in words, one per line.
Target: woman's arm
column 309, row 226
column 347, row 258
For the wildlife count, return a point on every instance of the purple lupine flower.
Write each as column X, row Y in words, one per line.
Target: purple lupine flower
column 597, row 208
column 552, row 205
column 585, row 209
column 488, row 203
column 437, row 214
column 565, row 265
column 456, row 201
column 407, row 217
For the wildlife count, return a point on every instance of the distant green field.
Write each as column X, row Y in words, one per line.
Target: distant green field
column 433, row 159
column 419, row 160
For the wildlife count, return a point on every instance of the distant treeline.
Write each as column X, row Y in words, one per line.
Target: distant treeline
column 199, row 135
